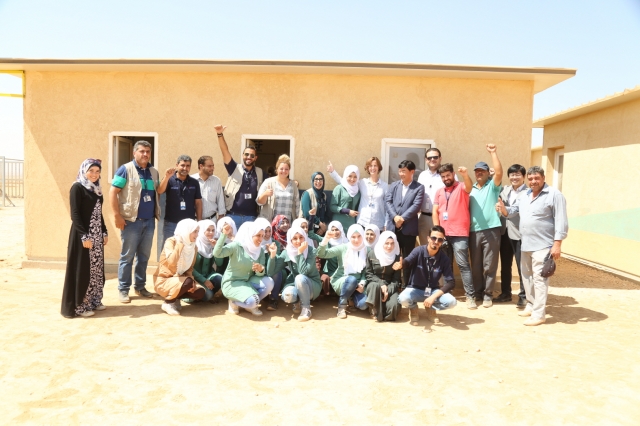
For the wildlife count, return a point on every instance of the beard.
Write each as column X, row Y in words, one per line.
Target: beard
column 448, row 183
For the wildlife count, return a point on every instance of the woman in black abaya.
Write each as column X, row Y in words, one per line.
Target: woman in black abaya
column 84, row 279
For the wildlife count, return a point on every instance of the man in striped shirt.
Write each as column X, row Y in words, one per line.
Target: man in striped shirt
column 211, row 189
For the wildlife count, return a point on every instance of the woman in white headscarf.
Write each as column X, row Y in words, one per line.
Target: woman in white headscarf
column 371, row 235
column 383, row 282
column 279, row 277
column 174, row 277
column 244, row 282
column 345, row 198
column 205, row 269
column 303, row 283
column 221, row 263
column 349, row 279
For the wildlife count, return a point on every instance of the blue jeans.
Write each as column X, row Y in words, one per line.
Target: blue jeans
column 137, row 238
column 168, row 229
column 458, row 247
column 278, row 279
column 410, row 297
column 216, row 280
column 263, row 287
column 239, row 219
column 348, row 290
column 302, row 291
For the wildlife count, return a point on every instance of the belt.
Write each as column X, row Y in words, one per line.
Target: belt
column 241, row 215
column 207, row 218
column 427, row 213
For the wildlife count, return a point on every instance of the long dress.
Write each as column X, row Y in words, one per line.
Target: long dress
column 84, row 279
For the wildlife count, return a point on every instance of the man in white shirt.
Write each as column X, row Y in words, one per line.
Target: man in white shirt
column 211, row 190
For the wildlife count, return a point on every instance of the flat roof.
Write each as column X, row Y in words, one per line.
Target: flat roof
column 608, row 101
column 543, row 78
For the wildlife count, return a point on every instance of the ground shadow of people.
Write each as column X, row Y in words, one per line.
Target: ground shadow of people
column 560, row 310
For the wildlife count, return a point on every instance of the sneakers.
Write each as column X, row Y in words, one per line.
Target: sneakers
column 123, row 297
column 87, row 314
column 487, row 303
column 522, row 302
column 305, row 315
column 143, row 293
column 414, row 316
column 525, row 313
column 233, row 308
column 273, row 305
column 432, row 316
column 342, row 312
column 471, row 303
column 503, row 298
column 170, row 308
column 534, row 321
column 255, row 311
column 297, row 308
column 100, row 307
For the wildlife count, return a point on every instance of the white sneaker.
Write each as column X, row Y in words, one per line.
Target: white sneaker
column 100, row 307
column 170, row 309
column 255, row 311
column 233, row 308
column 305, row 315
column 87, row 314
column 297, row 307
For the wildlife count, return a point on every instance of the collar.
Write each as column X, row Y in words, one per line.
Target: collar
column 520, row 188
column 475, row 185
column 138, row 167
column 545, row 188
column 434, row 174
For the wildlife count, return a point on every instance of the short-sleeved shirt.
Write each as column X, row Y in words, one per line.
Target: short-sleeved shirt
column 177, row 191
column 146, row 209
column 455, row 202
column 482, row 204
column 245, row 201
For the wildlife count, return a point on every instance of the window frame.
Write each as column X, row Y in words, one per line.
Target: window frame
column 112, row 148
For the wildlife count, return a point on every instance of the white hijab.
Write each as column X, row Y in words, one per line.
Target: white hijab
column 291, row 250
column 221, row 223
column 205, row 248
column 355, row 259
column 385, row 258
column 298, row 224
column 245, row 238
column 263, row 224
column 351, row 189
column 376, row 231
column 340, row 240
column 182, row 234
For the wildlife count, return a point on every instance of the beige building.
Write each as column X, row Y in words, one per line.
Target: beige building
column 591, row 153
column 315, row 111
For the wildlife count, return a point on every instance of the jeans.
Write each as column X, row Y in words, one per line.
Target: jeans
column 407, row 244
column 168, row 229
column 410, row 297
column 348, row 290
column 301, row 291
column 263, row 287
column 278, row 279
column 485, row 250
column 239, row 219
column 216, row 280
column 535, row 285
column 458, row 247
column 137, row 238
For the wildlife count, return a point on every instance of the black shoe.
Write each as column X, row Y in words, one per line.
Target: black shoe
column 522, row 302
column 503, row 298
column 273, row 305
column 143, row 292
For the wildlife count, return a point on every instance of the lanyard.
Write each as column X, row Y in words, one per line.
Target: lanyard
column 447, row 195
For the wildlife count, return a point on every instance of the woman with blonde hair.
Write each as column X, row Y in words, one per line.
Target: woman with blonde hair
column 279, row 195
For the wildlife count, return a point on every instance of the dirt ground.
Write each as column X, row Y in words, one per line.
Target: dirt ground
column 133, row 364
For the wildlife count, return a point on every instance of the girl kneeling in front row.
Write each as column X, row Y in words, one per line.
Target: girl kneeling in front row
column 383, row 282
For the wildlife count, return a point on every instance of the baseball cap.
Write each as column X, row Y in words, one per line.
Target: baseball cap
column 481, row 165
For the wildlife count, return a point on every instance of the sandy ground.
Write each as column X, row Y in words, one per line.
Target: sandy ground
column 133, row 364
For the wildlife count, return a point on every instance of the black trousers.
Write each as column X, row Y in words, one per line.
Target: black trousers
column 508, row 249
column 407, row 243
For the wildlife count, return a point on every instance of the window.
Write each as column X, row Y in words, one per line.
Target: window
column 121, row 148
column 269, row 148
column 394, row 151
column 558, row 166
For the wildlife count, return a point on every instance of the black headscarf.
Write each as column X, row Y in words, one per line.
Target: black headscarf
column 320, row 197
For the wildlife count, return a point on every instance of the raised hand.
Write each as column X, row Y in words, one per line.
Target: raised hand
column 170, row 171
column 330, row 168
column 227, row 229
column 219, row 128
column 303, row 247
column 462, row 171
column 398, row 265
column 491, row 148
column 499, row 205
column 273, row 249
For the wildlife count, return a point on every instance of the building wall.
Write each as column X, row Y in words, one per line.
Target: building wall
column 601, row 152
column 341, row 118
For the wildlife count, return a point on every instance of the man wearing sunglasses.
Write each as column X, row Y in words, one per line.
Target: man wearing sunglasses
column 241, row 189
column 427, row 264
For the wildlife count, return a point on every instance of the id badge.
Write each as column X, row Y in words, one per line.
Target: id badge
column 371, row 205
column 427, row 292
column 247, row 196
column 183, row 205
column 146, row 198
column 445, row 215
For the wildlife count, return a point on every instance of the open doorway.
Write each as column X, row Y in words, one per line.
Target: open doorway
column 269, row 148
column 394, row 151
column 121, row 148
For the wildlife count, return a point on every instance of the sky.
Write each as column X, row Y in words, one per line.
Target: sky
column 598, row 38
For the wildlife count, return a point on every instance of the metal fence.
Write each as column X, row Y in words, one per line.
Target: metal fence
column 12, row 175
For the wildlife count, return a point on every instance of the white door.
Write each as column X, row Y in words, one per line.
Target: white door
column 558, row 166
column 123, row 151
column 394, row 151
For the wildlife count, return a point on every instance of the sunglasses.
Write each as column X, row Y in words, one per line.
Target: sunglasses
column 433, row 158
column 246, row 154
column 437, row 240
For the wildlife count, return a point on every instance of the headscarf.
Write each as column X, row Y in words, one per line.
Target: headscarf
column 205, row 248
column 182, row 234
column 291, row 250
column 263, row 223
column 298, row 224
column 385, row 258
column 82, row 178
column 337, row 241
column 245, row 238
column 221, row 223
column 321, row 199
column 376, row 231
column 279, row 236
column 355, row 258
column 351, row 189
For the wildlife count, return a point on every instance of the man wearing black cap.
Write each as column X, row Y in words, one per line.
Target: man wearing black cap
column 484, row 238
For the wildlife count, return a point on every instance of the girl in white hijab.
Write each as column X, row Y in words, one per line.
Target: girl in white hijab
column 221, row 223
column 371, row 240
column 383, row 282
column 337, row 239
column 205, row 271
column 279, row 277
column 263, row 223
column 352, row 189
column 205, row 248
column 345, row 199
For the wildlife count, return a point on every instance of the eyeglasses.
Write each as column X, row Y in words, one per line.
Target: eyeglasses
column 318, row 179
column 437, row 240
column 433, row 158
column 246, row 154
